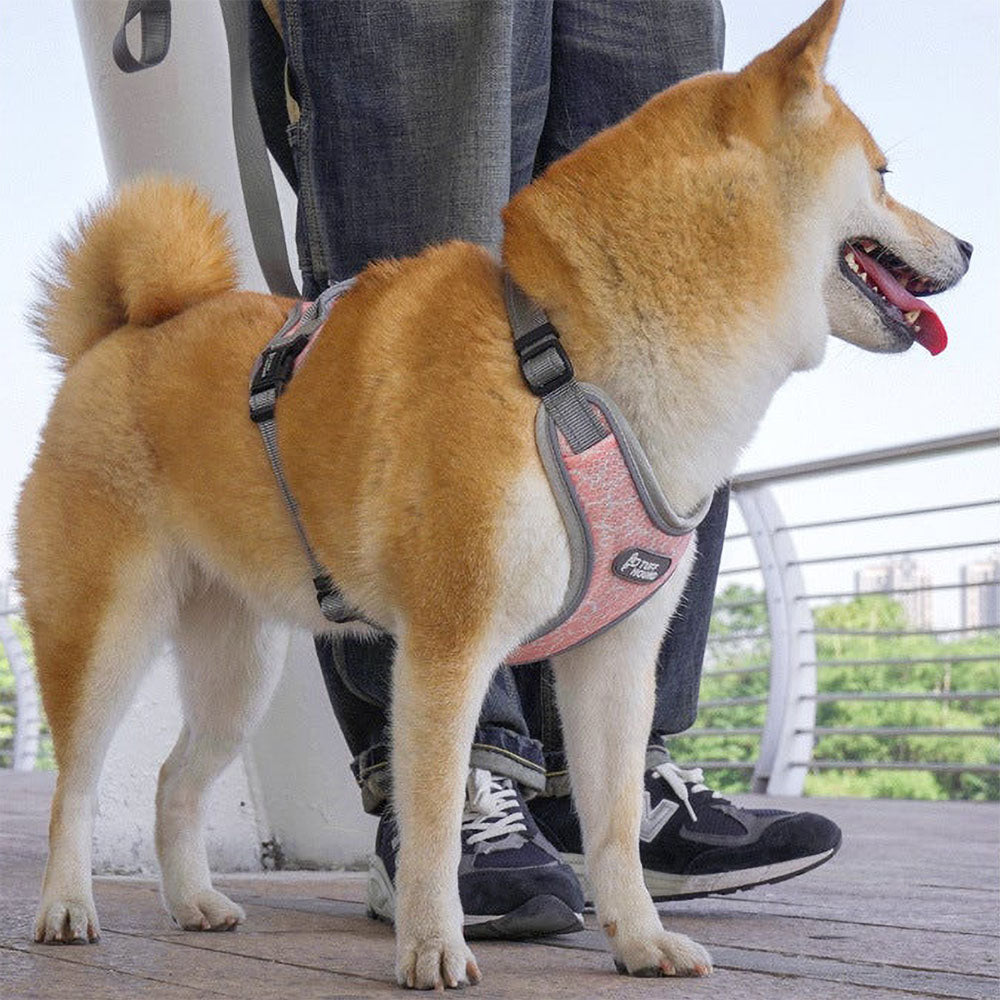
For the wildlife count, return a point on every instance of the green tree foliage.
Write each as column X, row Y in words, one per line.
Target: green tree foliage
column 915, row 664
column 737, row 669
column 8, row 704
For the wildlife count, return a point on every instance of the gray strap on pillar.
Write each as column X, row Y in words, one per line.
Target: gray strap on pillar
column 154, row 25
column 256, row 178
column 548, row 372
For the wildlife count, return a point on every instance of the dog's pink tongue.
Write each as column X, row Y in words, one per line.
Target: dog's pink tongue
column 928, row 330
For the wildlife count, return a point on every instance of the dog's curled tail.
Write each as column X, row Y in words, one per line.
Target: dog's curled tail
column 147, row 253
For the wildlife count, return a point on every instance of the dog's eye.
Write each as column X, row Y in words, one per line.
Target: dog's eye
column 883, row 170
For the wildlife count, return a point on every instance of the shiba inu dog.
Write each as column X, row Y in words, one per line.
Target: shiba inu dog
column 692, row 257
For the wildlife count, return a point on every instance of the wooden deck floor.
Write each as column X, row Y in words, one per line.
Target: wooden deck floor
column 908, row 908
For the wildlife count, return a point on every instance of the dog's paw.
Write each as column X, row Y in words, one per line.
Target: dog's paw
column 435, row 962
column 662, row 954
column 67, row 921
column 206, row 910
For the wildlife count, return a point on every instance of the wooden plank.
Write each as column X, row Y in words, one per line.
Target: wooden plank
column 860, row 974
column 923, row 982
column 908, row 908
column 51, row 977
column 198, row 971
column 848, row 941
column 974, row 954
column 879, row 906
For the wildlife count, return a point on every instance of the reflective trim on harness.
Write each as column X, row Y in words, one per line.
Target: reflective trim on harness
column 625, row 539
column 273, row 371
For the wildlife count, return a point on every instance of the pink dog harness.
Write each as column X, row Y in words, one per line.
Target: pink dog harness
column 625, row 539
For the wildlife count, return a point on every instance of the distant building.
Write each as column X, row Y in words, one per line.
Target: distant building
column 981, row 594
column 902, row 574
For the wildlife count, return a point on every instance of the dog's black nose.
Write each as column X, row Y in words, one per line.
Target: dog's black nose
column 966, row 249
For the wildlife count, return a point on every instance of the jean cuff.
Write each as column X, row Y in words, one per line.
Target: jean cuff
column 557, row 771
column 556, row 775
column 499, row 750
column 371, row 772
column 505, row 752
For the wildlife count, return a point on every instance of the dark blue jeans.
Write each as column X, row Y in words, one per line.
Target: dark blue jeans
column 417, row 121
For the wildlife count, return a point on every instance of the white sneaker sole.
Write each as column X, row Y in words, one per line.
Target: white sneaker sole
column 664, row 885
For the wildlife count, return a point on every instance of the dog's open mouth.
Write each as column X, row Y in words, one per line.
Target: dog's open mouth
column 893, row 286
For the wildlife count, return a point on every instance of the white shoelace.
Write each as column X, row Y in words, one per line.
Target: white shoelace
column 678, row 778
column 491, row 807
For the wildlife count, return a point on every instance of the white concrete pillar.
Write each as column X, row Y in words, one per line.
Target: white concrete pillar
column 293, row 782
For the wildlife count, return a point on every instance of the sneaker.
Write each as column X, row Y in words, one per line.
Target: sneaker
column 511, row 880
column 693, row 842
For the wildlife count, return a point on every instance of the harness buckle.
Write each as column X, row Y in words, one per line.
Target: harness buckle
column 272, row 375
column 544, row 362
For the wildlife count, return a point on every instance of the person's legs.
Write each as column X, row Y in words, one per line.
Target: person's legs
column 384, row 114
column 607, row 60
column 358, row 676
column 412, row 117
column 414, row 113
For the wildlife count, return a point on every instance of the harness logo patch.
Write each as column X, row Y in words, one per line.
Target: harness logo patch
column 640, row 566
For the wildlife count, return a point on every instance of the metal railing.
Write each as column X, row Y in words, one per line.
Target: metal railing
column 794, row 653
column 778, row 671
column 20, row 712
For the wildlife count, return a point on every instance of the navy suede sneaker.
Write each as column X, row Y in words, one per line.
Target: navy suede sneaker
column 693, row 842
column 511, row 880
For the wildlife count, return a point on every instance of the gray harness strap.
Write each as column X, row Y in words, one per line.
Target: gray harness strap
column 274, row 369
column 549, row 372
column 574, row 411
column 579, row 413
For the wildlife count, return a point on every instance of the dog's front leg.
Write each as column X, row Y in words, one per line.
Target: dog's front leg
column 606, row 692
column 436, row 702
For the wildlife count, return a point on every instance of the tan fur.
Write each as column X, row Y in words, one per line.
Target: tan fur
column 115, row 270
column 660, row 250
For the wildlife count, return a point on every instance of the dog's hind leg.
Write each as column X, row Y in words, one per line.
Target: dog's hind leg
column 92, row 647
column 228, row 668
column 606, row 691
column 437, row 696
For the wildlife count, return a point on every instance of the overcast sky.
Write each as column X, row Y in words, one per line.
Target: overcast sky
column 923, row 75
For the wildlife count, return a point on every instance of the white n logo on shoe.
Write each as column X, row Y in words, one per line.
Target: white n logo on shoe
column 654, row 819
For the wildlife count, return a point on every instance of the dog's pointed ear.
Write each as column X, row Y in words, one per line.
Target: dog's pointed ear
column 797, row 61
